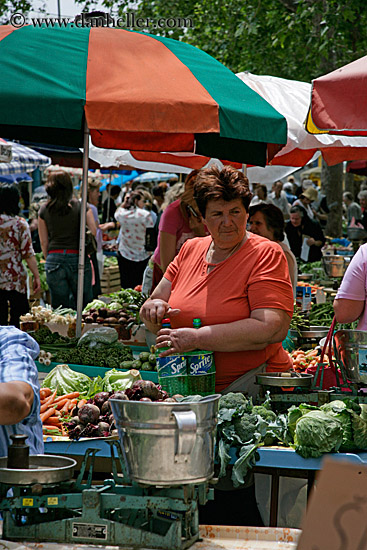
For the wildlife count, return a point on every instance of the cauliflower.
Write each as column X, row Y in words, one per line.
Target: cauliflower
column 232, row 401
column 265, row 413
column 245, row 427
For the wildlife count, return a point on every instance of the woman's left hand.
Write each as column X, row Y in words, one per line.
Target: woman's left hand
column 177, row 340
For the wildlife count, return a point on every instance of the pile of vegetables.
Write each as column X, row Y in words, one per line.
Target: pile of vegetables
column 146, row 361
column 242, row 428
column 97, row 347
column 107, row 314
column 56, row 410
column 340, row 425
column 64, row 316
column 304, row 359
column 65, row 380
column 321, row 314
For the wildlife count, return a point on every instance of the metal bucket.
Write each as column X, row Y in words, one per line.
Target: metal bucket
column 168, row 443
column 350, row 347
column 334, row 265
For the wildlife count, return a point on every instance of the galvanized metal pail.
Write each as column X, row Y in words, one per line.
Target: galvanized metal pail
column 168, row 443
column 350, row 347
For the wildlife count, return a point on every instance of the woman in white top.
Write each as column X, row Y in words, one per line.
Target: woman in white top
column 132, row 256
column 267, row 220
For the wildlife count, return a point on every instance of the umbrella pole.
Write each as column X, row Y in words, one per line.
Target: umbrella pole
column 83, row 224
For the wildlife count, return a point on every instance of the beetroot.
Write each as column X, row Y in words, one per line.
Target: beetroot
column 89, row 414
column 103, row 429
column 106, row 408
column 119, row 395
column 100, row 398
column 145, row 399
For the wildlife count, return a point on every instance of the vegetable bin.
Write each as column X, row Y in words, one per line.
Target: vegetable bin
column 168, row 443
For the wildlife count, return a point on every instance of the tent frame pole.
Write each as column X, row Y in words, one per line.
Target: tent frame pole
column 83, row 225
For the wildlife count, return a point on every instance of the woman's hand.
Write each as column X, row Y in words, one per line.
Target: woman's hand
column 153, row 311
column 178, row 340
column 107, row 226
column 36, row 284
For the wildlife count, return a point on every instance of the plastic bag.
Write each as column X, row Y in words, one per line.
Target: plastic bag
column 97, row 336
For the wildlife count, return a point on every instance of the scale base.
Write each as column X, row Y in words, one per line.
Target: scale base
column 165, row 519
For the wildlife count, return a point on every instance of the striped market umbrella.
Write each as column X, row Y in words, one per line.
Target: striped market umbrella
column 134, row 90
column 23, row 159
column 128, row 90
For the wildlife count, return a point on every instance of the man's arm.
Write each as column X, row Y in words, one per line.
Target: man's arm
column 16, row 400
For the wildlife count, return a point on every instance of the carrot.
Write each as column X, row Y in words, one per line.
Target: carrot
column 47, row 427
column 66, row 406
column 54, row 420
column 81, row 403
column 60, row 404
column 50, row 412
column 45, row 392
column 67, row 396
column 48, row 402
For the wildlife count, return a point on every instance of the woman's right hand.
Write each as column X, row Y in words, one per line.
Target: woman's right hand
column 153, row 311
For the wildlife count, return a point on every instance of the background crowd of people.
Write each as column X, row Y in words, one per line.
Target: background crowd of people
column 292, row 215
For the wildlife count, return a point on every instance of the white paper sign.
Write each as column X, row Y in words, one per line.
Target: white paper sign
column 305, row 250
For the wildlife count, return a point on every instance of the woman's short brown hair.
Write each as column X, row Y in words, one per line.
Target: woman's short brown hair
column 226, row 184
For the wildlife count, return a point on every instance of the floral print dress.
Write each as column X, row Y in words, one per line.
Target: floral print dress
column 15, row 246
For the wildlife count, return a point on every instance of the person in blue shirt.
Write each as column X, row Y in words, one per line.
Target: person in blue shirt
column 19, row 390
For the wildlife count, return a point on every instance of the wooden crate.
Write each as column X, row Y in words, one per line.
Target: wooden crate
column 110, row 280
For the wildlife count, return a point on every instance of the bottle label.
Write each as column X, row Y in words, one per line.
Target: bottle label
column 201, row 362
column 173, row 365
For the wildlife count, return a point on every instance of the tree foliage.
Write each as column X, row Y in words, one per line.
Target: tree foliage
column 295, row 39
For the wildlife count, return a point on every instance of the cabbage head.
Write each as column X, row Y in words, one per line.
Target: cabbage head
column 359, row 424
column 317, row 433
column 338, row 409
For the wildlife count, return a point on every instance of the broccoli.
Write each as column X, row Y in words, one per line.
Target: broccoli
column 232, row 401
column 245, row 427
column 266, row 414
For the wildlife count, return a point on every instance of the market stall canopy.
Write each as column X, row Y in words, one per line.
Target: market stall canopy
column 136, row 91
column 338, row 101
column 23, row 159
column 292, row 98
column 15, row 178
column 155, row 177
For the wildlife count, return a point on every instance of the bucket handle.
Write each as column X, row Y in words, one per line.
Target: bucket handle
column 186, row 424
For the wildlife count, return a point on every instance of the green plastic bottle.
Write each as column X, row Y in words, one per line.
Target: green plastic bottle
column 172, row 370
column 201, row 369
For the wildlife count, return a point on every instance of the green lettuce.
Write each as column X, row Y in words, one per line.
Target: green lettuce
column 317, row 433
column 65, row 380
column 338, row 409
column 116, row 380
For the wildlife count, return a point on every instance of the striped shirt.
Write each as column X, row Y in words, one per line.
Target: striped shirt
column 17, row 353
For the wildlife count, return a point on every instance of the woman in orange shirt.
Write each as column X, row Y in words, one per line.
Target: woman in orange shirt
column 236, row 282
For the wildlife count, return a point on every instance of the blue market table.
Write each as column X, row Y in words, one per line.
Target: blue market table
column 275, row 461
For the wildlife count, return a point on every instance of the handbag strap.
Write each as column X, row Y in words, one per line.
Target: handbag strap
column 327, row 347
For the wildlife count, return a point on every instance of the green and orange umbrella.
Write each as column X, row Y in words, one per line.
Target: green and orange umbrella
column 134, row 90
column 128, row 90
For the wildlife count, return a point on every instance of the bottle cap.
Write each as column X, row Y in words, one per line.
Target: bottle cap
column 166, row 321
column 196, row 322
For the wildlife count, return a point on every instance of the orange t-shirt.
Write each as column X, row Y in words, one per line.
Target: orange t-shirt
column 256, row 276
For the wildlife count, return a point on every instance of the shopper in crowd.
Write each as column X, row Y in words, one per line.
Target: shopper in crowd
column 109, row 205
column 93, row 201
column 362, row 197
column 353, row 208
column 15, row 246
column 307, row 197
column 305, row 236
column 350, row 301
column 236, row 282
column 132, row 256
column 19, row 390
column 321, row 210
column 158, row 197
column 288, row 190
column 261, row 194
column 267, row 221
column 59, row 231
column 279, row 198
column 180, row 221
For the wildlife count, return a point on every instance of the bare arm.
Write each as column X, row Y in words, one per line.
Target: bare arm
column 347, row 311
column 264, row 327
column 91, row 223
column 167, row 249
column 156, row 307
column 16, row 400
column 43, row 235
column 32, row 264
